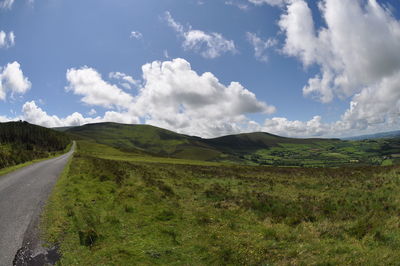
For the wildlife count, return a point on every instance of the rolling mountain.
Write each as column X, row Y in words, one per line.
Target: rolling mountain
column 162, row 142
column 249, row 142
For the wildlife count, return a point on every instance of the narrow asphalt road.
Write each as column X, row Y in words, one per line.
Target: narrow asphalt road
column 23, row 194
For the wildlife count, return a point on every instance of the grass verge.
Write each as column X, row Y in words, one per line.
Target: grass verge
column 13, row 168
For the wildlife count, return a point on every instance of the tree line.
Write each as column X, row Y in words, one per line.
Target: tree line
column 21, row 142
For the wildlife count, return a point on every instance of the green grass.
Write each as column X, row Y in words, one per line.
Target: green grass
column 387, row 162
column 107, row 152
column 10, row 169
column 257, row 148
column 132, row 137
column 116, row 212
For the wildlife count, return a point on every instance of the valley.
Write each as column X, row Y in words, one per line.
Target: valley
column 138, row 194
column 200, row 132
column 256, row 148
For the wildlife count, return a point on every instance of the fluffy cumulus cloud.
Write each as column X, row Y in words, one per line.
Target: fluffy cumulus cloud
column 88, row 83
column 349, row 59
column 172, row 96
column 260, row 46
column 7, row 119
column 376, row 106
column 13, row 81
column 36, row 115
column 176, row 97
column 209, row 45
column 353, row 65
column 7, row 40
column 284, row 127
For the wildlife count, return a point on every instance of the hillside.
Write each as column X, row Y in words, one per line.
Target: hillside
column 256, row 148
column 127, row 212
column 249, row 142
column 162, row 142
column 21, row 142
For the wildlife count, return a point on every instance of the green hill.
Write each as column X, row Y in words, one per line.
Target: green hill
column 249, row 142
column 21, row 142
column 257, row 148
column 162, row 142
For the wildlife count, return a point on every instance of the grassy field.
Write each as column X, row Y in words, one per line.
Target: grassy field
column 330, row 154
column 256, row 148
column 107, row 211
column 107, row 152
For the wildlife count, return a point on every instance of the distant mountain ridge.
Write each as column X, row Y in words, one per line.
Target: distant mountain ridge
column 390, row 134
column 257, row 148
column 161, row 142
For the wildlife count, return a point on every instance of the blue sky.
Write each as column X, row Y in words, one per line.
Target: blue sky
column 301, row 68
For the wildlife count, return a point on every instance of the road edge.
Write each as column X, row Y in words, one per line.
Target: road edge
column 11, row 169
column 35, row 249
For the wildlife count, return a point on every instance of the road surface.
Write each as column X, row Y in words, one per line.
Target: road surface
column 23, row 194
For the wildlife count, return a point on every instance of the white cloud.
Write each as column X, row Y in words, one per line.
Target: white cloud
column 176, row 97
column 34, row 114
column 376, row 106
column 125, row 80
column 209, row 45
column 6, row 119
column 7, row 40
column 348, row 57
column 172, row 96
column 237, row 4
column 92, row 112
column 121, row 117
column 269, row 2
column 6, row 4
column 136, row 35
column 11, row 38
column 284, row 127
column 352, row 63
column 260, row 46
column 374, row 109
column 88, row 83
column 12, row 80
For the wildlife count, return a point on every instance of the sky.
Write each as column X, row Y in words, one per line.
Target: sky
column 327, row 68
